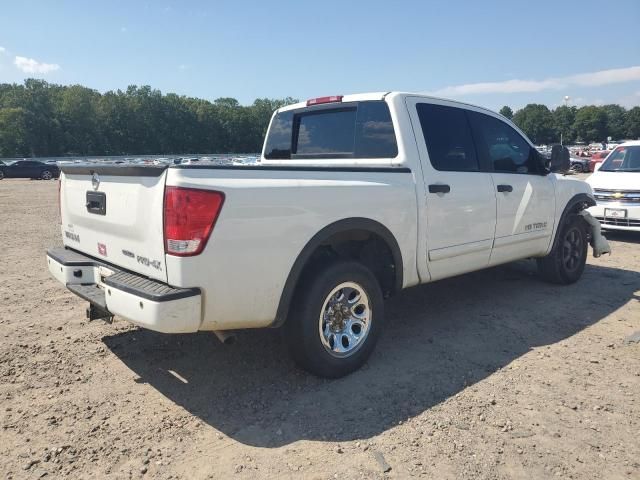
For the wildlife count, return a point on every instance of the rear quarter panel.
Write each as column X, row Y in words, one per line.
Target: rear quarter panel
column 267, row 218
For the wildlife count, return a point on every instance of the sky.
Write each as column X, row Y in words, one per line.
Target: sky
column 490, row 52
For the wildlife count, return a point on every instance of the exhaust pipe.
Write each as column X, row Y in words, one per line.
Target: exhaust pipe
column 225, row 336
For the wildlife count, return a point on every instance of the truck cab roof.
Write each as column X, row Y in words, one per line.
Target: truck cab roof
column 372, row 96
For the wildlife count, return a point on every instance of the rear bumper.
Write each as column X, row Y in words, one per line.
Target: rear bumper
column 144, row 302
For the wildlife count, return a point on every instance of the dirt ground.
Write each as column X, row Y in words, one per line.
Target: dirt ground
column 489, row 375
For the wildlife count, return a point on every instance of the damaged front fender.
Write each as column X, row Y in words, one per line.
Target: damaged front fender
column 598, row 242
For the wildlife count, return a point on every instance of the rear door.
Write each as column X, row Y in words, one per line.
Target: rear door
column 525, row 194
column 460, row 197
column 115, row 213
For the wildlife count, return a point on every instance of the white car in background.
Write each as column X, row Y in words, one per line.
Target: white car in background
column 616, row 187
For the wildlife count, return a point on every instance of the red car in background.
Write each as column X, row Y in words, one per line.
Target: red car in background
column 597, row 157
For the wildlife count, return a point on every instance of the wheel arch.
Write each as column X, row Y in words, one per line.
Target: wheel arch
column 575, row 204
column 341, row 228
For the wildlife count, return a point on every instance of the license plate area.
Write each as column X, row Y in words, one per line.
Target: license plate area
column 97, row 203
column 615, row 212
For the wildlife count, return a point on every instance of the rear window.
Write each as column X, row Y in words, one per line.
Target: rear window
column 326, row 132
column 353, row 130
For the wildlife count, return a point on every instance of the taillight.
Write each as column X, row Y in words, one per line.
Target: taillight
column 189, row 217
column 321, row 100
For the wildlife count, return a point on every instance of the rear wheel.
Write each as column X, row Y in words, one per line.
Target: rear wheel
column 335, row 319
column 577, row 168
column 565, row 263
column 46, row 175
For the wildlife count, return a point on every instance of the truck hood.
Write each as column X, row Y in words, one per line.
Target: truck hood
column 615, row 180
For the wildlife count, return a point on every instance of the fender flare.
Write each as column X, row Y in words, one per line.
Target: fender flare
column 576, row 200
column 344, row 225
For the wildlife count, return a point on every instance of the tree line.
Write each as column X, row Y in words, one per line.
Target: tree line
column 39, row 119
column 572, row 124
column 47, row 120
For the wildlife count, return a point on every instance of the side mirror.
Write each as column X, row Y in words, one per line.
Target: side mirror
column 560, row 161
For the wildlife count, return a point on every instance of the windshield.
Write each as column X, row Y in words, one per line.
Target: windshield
column 623, row 159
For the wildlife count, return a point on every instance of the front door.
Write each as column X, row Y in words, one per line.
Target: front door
column 460, row 198
column 525, row 195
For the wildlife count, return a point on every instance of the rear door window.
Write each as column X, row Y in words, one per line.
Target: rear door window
column 448, row 137
column 352, row 130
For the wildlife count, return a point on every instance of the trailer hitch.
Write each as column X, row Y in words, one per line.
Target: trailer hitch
column 95, row 312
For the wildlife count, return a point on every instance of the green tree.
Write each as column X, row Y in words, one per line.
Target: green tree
column 44, row 135
column 79, row 122
column 13, row 132
column 537, row 122
column 563, row 119
column 616, row 121
column 506, row 112
column 591, row 124
column 633, row 123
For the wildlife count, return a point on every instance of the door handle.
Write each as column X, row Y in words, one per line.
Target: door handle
column 505, row 188
column 439, row 188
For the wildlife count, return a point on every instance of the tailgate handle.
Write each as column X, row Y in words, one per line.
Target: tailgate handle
column 97, row 203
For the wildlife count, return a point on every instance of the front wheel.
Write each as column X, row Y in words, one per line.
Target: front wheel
column 335, row 319
column 1, row 175
column 565, row 263
column 46, row 175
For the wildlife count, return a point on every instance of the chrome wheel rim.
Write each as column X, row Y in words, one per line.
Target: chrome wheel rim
column 572, row 249
column 345, row 320
column 46, row 175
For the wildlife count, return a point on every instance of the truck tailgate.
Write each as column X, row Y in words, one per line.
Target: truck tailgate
column 115, row 213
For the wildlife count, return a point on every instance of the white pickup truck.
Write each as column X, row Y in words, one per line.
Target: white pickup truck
column 354, row 199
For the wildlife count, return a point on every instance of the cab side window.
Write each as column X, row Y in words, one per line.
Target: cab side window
column 448, row 137
column 502, row 146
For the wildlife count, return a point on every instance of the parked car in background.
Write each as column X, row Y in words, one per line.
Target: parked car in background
column 596, row 158
column 28, row 169
column 616, row 187
column 579, row 164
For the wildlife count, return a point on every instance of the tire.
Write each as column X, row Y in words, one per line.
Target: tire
column 46, row 175
column 330, row 342
column 1, row 175
column 577, row 168
column 565, row 264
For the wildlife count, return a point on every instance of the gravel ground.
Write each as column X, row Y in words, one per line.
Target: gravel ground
column 489, row 375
